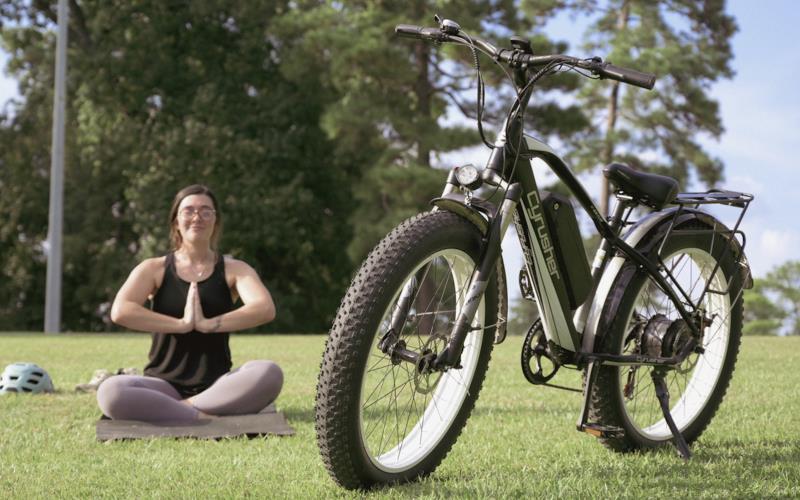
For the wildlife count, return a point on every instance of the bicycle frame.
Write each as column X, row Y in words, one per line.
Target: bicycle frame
column 509, row 166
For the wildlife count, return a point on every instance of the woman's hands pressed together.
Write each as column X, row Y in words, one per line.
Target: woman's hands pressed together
column 193, row 317
column 144, row 281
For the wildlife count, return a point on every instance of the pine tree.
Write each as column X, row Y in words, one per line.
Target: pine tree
column 685, row 43
column 396, row 93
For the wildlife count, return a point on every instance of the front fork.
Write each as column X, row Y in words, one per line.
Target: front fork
column 393, row 345
column 450, row 355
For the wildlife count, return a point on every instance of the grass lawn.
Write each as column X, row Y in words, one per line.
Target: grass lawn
column 520, row 441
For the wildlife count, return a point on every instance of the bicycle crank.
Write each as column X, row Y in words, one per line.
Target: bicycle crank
column 535, row 348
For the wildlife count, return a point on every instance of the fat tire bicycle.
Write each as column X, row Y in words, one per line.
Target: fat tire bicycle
column 654, row 323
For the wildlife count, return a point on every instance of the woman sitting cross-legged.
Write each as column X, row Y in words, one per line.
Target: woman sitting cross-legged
column 193, row 290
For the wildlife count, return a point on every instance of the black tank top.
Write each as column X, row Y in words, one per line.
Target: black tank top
column 191, row 362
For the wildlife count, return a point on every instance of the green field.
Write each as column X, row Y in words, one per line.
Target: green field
column 520, row 441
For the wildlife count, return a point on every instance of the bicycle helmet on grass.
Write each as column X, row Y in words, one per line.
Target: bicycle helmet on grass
column 25, row 378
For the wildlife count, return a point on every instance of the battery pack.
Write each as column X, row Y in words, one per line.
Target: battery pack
column 570, row 252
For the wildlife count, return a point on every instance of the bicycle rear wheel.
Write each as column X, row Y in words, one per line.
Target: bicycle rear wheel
column 639, row 313
column 381, row 419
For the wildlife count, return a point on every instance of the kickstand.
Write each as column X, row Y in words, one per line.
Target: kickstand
column 591, row 377
column 662, row 393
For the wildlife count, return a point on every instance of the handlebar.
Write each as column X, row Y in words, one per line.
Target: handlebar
column 517, row 57
column 437, row 35
column 629, row 76
column 411, row 31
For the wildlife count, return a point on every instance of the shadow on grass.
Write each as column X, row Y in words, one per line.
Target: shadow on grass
column 762, row 452
column 755, row 461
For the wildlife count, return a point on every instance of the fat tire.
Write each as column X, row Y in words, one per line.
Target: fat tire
column 606, row 403
column 351, row 337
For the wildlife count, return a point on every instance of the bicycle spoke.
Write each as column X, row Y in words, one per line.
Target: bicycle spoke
column 377, row 387
column 383, row 397
column 403, row 411
column 691, row 270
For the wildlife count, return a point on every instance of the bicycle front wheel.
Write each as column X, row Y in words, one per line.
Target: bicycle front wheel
column 381, row 419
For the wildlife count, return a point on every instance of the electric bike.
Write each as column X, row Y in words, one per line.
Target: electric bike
column 654, row 323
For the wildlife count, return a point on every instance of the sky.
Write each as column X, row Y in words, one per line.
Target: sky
column 760, row 110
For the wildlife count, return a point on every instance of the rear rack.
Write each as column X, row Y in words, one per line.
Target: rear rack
column 714, row 196
column 734, row 236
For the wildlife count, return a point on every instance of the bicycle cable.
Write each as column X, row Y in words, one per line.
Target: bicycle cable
column 481, row 102
column 552, row 67
column 481, row 91
column 518, row 103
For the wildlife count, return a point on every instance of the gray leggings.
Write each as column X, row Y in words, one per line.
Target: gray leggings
column 245, row 390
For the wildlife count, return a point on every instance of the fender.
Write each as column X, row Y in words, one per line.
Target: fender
column 479, row 212
column 648, row 225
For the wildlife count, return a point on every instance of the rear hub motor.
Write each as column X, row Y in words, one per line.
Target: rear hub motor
column 663, row 337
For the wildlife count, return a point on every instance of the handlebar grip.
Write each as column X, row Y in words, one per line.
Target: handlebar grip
column 630, row 76
column 412, row 31
column 408, row 30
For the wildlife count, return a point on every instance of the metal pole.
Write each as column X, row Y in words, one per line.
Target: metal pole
column 52, row 308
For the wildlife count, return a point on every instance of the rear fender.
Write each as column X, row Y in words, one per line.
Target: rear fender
column 646, row 227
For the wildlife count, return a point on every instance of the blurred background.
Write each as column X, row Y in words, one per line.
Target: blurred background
column 319, row 131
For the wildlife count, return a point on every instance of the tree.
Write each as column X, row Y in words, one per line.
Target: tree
column 23, row 220
column 316, row 125
column 761, row 315
column 784, row 283
column 396, row 94
column 164, row 94
column 687, row 45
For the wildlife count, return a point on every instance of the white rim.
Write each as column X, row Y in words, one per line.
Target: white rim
column 429, row 416
column 689, row 391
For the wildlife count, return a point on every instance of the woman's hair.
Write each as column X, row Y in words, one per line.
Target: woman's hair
column 174, row 234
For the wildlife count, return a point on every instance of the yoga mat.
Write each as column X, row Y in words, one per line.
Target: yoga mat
column 260, row 424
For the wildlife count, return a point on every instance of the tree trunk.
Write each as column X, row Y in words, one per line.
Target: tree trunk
column 613, row 98
column 423, row 89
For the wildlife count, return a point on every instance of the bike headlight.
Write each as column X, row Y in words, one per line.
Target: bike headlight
column 469, row 176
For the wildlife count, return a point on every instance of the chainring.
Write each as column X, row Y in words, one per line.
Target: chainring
column 535, row 348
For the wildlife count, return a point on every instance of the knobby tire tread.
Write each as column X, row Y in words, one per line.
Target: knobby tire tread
column 350, row 332
column 605, row 407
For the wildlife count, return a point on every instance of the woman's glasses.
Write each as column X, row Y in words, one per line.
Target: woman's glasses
column 188, row 213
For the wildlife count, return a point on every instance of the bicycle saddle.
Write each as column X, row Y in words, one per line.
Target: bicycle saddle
column 651, row 189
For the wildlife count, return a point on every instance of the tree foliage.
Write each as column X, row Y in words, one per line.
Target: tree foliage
column 772, row 306
column 399, row 97
column 761, row 315
column 784, row 283
column 687, row 45
column 317, row 128
column 165, row 94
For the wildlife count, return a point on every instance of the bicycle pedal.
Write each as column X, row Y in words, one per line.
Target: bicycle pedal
column 603, row 431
